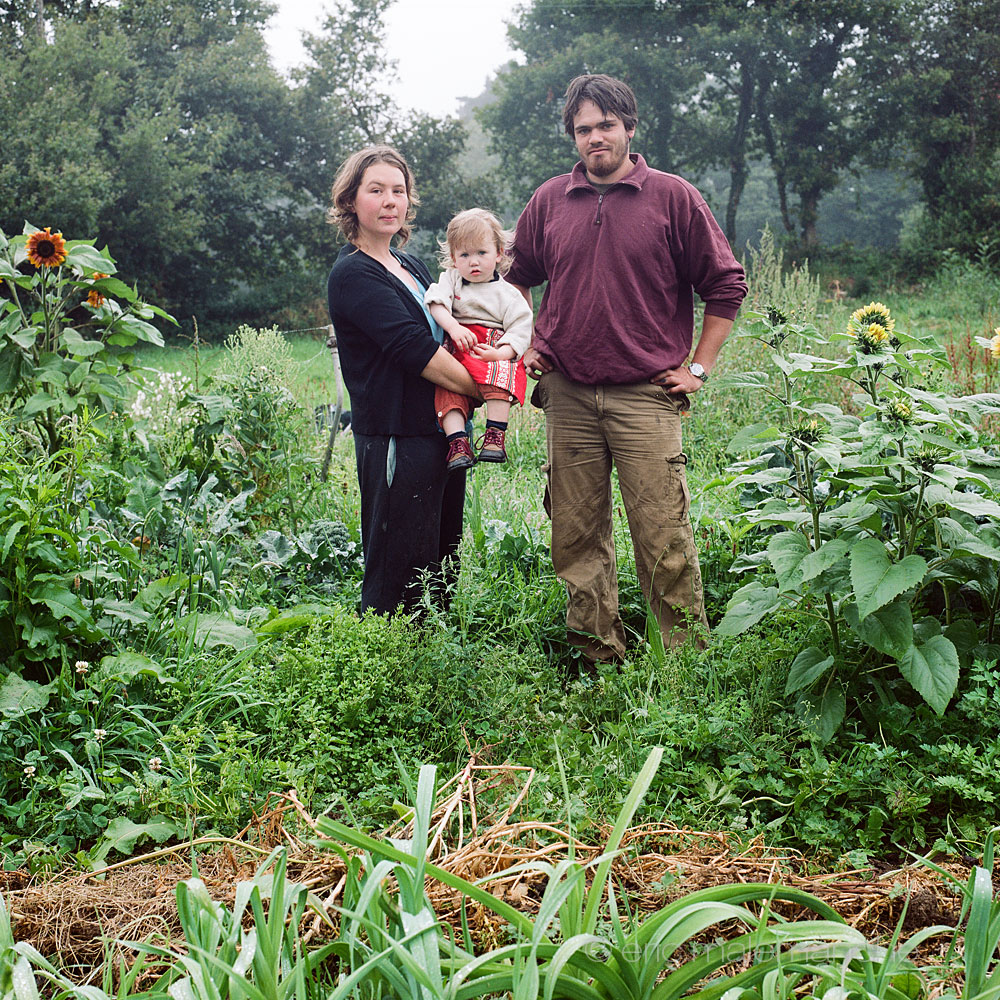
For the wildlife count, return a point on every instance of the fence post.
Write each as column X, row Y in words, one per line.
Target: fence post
column 331, row 342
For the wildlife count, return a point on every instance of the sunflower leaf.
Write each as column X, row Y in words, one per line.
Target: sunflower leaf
column 84, row 255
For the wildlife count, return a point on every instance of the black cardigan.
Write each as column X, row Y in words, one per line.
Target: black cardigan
column 385, row 343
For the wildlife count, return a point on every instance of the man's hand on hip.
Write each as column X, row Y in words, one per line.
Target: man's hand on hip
column 678, row 380
column 536, row 364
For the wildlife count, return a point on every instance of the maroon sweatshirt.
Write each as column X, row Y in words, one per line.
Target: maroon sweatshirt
column 622, row 269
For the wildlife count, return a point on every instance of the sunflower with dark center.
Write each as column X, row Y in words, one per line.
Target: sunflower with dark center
column 46, row 249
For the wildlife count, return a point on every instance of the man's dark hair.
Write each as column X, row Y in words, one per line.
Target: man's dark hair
column 612, row 96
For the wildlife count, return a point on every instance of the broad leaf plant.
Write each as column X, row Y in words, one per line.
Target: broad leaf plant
column 67, row 329
column 878, row 519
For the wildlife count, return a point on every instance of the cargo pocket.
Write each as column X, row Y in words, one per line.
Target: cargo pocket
column 677, row 498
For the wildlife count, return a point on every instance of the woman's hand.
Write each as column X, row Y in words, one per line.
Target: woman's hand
column 486, row 353
column 463, row 339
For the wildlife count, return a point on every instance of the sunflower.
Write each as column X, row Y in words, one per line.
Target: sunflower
column 874, row 312
column 807, row 433
column 94, row 297
column 872, row 339
column 46, row 249
column 899, row 412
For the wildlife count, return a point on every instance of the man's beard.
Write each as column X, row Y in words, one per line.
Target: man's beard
column 611, row 161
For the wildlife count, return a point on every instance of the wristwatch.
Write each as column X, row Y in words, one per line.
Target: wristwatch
column 698, row 371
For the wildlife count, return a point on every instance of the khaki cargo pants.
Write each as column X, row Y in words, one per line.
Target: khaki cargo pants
column 638, row 428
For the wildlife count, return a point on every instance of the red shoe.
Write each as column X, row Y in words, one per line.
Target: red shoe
column 460, row 455
column 492, row 446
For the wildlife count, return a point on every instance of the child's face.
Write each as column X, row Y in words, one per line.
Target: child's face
column 477, row 260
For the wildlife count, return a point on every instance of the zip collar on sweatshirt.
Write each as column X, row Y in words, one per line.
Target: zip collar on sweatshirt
column 636, row 178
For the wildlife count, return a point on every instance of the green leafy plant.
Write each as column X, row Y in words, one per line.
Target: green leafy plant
column 250, row 425
column 581, row 944
column 41, row 611
column 222, row 960
column 869, row 519
column 320, row 557
column 67, row 328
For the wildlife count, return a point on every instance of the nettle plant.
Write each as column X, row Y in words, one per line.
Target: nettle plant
column 880, row 522
column 67, row 326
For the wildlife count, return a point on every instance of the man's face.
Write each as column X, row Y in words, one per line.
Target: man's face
column 602, row 141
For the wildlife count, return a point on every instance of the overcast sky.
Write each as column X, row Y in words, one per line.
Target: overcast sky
column 445, row 49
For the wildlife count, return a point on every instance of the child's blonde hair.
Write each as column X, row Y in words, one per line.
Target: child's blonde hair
column 471, row 225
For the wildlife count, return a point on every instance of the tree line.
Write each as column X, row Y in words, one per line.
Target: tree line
column 161, row 127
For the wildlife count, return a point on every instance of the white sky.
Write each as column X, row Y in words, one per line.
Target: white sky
column 445, row 49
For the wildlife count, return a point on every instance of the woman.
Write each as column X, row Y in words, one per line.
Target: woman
column 391, row 353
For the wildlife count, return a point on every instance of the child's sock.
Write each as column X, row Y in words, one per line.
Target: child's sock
column 500, row 425
column 458, row 434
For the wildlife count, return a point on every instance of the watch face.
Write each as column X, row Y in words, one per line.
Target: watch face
column 697, row 371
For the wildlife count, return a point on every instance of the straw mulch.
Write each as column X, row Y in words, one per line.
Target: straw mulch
column 473, row 834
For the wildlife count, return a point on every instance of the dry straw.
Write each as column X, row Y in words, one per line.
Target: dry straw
column 473, row 834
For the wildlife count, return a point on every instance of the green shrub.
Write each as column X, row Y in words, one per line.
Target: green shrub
column 42, row 618
column 868, row 518
column 348, row 694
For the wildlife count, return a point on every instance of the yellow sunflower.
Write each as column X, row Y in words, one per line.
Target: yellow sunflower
column 872, row 339
column 874, row 312
column 46, row 249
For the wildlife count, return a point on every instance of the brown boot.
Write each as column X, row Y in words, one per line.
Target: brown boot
column 492, row 449
column 460, row 455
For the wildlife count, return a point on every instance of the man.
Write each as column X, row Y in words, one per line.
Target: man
column 623, row 248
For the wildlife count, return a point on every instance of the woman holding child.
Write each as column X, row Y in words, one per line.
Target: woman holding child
column 392, row 357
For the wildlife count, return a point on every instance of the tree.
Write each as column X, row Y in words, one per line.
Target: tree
column 161, row 128
column 638, row 43
column 342, row 106
column 939, row 113
column 715, row 81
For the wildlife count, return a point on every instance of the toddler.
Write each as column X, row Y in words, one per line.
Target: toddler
column 488, row 324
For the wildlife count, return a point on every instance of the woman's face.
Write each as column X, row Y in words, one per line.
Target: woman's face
column 380, row 203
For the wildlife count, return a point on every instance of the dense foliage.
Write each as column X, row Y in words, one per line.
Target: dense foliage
column 817, row 90
column 178, row 584
column 164, row 129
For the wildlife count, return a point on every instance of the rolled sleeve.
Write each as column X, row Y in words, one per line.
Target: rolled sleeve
column 713, row 271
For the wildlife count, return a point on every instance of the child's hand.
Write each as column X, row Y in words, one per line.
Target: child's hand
column 486, row 353
column 464, row 340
